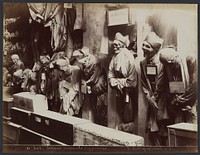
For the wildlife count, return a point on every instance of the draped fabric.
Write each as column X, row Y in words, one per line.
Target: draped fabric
column 37, row 10
column 94, row 74
column 59, row 31
column 77, row 35
column 122, row 69
column 69, row 92
column 79, row 16
column 40, row 38
column 184, row 72
column 62, row 23
column 71, row 17
column 17, row 66
column 16, row 72
column 183, row 106
column 48, row 84
column 53, row 15
column 5, row 76
column 25, row 81
column 190, row 95
column 44, row 11
column 123, row 76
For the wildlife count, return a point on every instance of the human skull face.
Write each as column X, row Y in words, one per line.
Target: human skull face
column 83, row 60
column 117, row 45
column 79, row 57
column 149, row 51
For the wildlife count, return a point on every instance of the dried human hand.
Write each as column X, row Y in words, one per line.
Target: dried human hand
column 113, row 82
column 153, row 102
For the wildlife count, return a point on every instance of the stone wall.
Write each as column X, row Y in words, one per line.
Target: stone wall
column 177, row 27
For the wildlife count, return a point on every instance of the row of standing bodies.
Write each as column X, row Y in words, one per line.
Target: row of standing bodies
column 164, row 76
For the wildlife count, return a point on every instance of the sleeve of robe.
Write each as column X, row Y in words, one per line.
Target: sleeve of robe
column 162, row 85
column 125, row 65
column 150, row 96
column 93, row 68
column 190, row 96
column 130, row 79
column 70, row 99
column 111, row 74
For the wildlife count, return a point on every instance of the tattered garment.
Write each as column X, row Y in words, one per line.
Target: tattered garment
column 53, row 15
column 94, row 75
column 122, row 69
column 122, row 74
column 159, row 93
column 70, row 101
column 59, row 32
column 69, row 93
column 79, row 16
column 19, row 65
column 185, row 111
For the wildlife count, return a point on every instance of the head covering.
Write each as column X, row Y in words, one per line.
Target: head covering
column 82, row 52
column 168, row 55
column 122, row 39
column 154, row 40
column 15, row 56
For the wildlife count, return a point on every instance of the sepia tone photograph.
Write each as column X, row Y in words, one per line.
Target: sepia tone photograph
column 100, row 77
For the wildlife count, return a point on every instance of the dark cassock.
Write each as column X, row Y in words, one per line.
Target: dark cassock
column 122, row 77
column 181, row 73
column 154, row 88
column 93, row 84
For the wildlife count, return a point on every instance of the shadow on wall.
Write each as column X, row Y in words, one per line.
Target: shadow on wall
column 164, row 28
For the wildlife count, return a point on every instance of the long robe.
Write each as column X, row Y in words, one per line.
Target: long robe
column 95, row 76
column 159, row 93
column 122, row 76
column 69, row 92
column 122, row 68
column 184, row 107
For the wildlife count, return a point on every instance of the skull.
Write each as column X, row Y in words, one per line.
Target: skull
column 149, row 51
column 117, row 45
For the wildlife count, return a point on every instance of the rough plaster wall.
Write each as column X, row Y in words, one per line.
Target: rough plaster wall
column 94, row 28
column 187, row 33
column 94, row 16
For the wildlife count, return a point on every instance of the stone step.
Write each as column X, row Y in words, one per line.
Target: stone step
column 93, row 134
column 30, row 102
